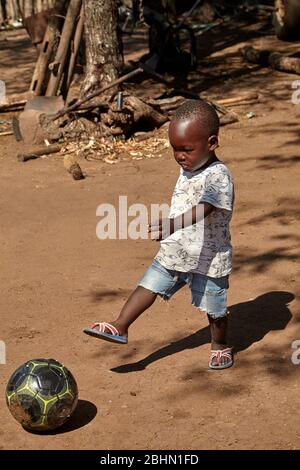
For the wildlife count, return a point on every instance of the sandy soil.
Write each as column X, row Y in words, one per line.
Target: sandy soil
column 56, row 277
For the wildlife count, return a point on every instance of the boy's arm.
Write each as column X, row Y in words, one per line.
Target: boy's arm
column 164, row 227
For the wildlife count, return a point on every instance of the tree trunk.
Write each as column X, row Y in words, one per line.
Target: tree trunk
column 104, row 57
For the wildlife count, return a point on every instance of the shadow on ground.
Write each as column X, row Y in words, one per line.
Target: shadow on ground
column 85, row 412
column 250, row 321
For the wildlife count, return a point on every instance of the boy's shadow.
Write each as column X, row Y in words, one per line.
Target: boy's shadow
column 249, row 322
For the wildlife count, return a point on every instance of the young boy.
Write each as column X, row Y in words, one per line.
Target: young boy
column 195, row 246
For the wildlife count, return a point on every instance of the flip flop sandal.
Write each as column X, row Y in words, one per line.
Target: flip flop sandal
column 98, row 331
column 218, row 354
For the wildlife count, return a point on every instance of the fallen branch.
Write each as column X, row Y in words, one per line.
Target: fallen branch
column 135, row 114
column 15, row 101
column 6, row 133
column 228, row 118
column 237, row 99
column 45, row 150
column 273, row 59
column 168, row 105
column 13, row 106
column 244, row 103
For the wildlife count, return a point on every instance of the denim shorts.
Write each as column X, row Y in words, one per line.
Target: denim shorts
column 209, row 294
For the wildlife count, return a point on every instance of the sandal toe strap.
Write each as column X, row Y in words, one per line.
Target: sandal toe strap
column 104, row 327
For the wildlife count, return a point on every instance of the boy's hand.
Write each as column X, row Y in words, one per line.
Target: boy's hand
column 161, row 229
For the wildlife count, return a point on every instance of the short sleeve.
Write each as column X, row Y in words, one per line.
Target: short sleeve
column 218, row 190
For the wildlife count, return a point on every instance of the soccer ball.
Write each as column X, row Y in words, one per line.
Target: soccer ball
column 41, row 394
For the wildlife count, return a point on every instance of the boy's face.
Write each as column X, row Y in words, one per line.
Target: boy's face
column 191, row 147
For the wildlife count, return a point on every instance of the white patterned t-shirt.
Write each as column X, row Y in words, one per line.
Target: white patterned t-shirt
column 205, row 246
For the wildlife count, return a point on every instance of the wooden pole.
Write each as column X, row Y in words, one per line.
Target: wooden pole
column 75, row 48
column 46, row 150
column 12, row 106
column 57, row 67
column 48, row 45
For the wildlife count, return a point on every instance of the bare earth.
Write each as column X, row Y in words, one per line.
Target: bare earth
column 56, row 278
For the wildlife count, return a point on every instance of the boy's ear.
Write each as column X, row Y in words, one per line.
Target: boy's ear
column 213, row 142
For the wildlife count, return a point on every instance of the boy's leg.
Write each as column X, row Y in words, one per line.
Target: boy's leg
column 218, row 329
column 117, row 331
column 210, row 295
column 139, row 300
column 156, row 281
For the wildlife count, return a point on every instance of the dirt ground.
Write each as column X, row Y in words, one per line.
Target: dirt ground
column 57, row 277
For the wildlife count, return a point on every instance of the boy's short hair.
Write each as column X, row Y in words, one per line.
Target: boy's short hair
column 201, row 111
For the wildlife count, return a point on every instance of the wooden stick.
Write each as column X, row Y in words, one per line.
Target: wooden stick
column 46, row 150
column 46, row 50
column 6, row 133
column 243, row 103
column 75, row 48
column 237, row 99
column 12, row 106
column 61, row 54
column 16, row 128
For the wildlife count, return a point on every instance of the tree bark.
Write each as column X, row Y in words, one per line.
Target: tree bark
column 104, row 55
